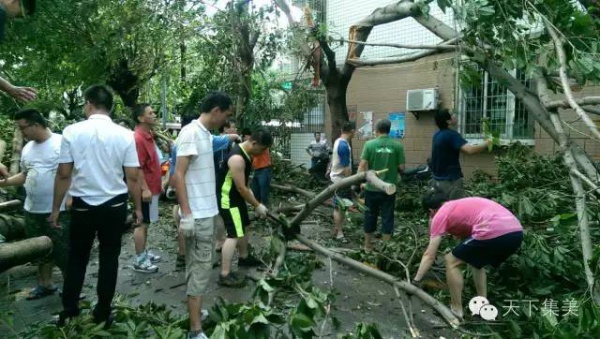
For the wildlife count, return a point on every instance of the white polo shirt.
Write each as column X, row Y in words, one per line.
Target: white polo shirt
column 98, row 149
column 196, row 141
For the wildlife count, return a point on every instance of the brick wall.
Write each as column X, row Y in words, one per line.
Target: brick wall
column 382, row 89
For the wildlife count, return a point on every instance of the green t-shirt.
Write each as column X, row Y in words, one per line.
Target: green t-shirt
column 382, row 153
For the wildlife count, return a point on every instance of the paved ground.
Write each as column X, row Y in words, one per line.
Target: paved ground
column 359, row 298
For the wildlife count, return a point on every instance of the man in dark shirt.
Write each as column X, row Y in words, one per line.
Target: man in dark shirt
column 446, row 147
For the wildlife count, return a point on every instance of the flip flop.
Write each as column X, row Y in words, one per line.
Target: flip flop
column 41, row 291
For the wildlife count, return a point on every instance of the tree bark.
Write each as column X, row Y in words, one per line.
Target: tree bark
column 24, row 251
column 10, row 205
column 125, row 83
column 17, row 146
column 12, row 228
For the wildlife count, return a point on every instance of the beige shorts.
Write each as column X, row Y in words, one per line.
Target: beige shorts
column 198, row 256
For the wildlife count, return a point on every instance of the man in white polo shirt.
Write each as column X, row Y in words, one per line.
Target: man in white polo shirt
column 195, row 186
column 93, row 156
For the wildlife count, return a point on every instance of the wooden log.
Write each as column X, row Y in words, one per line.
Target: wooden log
column 10, row 205
column 21, row 252
column 379, row 184
column 442, row 310
column 12, row 228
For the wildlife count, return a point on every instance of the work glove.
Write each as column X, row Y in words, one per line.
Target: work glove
column 261, row 211
column 186, row 226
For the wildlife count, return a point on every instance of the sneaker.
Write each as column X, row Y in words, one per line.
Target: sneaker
column 180, row 263
column 145, row 267
column 197, row 335
column 153, row 257
column 341, row 238
column 232, row 280
column 250, row 261
column 41, row 291
column 203, row 315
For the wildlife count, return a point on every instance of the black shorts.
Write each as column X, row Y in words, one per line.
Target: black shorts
column 235, row 219
column 339, row 195
column 480, row 253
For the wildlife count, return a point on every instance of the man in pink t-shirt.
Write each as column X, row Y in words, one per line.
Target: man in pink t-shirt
column 490, row 234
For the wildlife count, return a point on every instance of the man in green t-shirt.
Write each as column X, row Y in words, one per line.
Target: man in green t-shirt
column 381, row 153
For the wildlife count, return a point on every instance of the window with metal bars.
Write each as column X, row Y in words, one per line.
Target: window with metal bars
column 482, row 97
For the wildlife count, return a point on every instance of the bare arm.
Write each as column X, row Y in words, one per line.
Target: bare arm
column 15, row 180
column 25, row 94
column 237, row 167
column 133, row 186
column 474, row 149
column 428, row 257
column 178, row 182
column 62, row 182
column 363, row 166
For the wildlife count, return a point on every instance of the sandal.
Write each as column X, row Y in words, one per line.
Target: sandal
column 41, row 291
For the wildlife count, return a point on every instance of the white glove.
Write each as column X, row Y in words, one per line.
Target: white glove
column 261, row 211
column 186, row 226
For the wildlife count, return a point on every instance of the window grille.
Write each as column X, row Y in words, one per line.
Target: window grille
column 488, row 98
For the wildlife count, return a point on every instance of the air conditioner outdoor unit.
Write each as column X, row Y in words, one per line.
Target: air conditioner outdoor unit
column 421, row 99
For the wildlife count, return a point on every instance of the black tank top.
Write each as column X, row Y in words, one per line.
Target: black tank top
column 227, row 193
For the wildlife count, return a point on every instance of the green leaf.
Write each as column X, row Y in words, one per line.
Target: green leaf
column 302, row 322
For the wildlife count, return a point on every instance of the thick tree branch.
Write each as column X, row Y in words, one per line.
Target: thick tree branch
column 361, row 30
column 390, row 279
column 407, row 58
column 329, row 53
column 445, row 46
column 591, row 100
column 560, row 52
column 370, row 176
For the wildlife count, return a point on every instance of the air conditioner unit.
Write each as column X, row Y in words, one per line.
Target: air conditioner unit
column 421, row 99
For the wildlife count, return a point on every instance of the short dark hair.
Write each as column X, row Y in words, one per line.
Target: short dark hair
column 348, row 126
column 227, row 124
column 262, row 136
column 383, row 126
column 441, row 117
column 215, row 99
column 32, row 116
column 246, row 131
column 315, row 134
column 138, row 110
column 434, row 199
column 99, row 96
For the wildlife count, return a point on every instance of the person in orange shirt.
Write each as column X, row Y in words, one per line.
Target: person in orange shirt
column 261, row 182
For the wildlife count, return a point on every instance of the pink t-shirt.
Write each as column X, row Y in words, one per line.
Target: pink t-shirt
column 478, row 218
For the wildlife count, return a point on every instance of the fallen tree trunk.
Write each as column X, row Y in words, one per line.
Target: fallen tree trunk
column 12, row 228
column 11, row 205
column 390, row 279
column 24, row 251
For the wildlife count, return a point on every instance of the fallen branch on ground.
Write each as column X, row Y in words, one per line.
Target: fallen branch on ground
column 390, row 279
